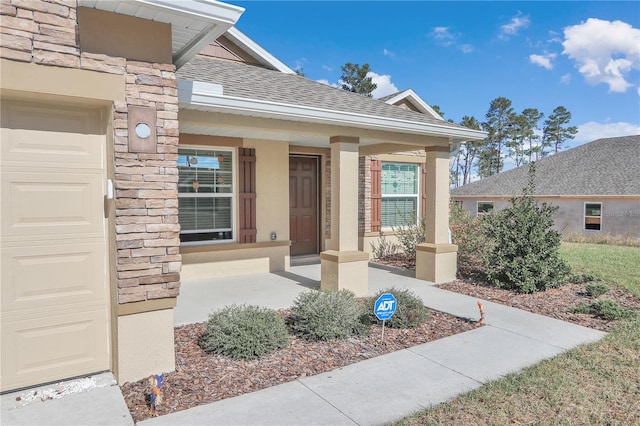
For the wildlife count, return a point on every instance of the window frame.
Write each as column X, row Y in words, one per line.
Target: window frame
column 585, row 216
column 417, row 195
column 479, row 213
column 233, row 195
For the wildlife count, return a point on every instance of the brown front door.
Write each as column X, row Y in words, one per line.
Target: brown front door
column 303, row 205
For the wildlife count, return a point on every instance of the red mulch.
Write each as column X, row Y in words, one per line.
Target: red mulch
column 201, row 378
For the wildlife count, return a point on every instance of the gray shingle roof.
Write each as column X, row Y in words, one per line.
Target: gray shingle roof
column 253, row 82
column 603, row 167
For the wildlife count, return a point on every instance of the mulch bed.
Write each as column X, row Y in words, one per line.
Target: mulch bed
column 201, row 378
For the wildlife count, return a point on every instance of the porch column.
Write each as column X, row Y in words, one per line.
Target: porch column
column 436, row 259
column 343, row 266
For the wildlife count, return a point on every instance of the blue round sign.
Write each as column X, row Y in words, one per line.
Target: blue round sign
column 385, row 306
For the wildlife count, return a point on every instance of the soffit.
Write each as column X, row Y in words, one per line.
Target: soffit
column 194, row 23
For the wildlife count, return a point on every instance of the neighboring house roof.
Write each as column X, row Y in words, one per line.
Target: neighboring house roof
column 608, row 166
column 194, row 23
column 240, row 87
column 411, row 97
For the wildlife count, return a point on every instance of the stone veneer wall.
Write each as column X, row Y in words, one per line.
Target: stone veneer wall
column 146, row 194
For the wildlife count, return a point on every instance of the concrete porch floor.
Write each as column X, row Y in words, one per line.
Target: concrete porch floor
column 275, row 290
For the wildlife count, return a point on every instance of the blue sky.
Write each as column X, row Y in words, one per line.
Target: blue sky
column 462, row 55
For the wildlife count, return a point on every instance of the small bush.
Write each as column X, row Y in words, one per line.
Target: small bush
column 411, row 233
column 582, row 278
column 327, row 315
column 466, row 233
column 244, row 332
column 596, row 289
column 606, row 309
column 410, row 310
column 384, row 248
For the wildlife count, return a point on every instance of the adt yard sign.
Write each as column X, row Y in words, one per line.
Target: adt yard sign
column 385, row 306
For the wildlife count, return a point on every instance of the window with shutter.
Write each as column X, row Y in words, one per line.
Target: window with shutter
column 205, row 194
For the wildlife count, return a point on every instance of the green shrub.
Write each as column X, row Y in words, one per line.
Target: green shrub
column 582, row 278
column 524, row 256
column 245, row 332
column 327, row 315
column 466, row 233
column 383, row 248
column 606, row 309
column 410, row 310
column 596, row 289
column 410, row 233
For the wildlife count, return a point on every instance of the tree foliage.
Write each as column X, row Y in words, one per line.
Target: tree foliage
column 355, row 79
column 498, row 124
column 556, row 131
column 524, row 252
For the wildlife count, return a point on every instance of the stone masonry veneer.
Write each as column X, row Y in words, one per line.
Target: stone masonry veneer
column 146, row 225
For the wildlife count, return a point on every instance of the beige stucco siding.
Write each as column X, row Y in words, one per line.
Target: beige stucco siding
column 209, row 261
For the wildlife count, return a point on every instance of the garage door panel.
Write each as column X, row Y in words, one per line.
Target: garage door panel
column 53, row 251
column 45, row 204
column 45, row 149
column 50, row 348
column 60, row 118
column 50, row 275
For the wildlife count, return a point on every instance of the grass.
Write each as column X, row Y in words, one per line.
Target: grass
column 594, row 384
column 618, row 265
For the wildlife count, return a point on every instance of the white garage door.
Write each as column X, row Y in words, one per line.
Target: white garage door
column 54, row 318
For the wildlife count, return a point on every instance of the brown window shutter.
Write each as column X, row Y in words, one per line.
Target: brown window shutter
column 376, row 195
column 247, row 192
column 423, row 186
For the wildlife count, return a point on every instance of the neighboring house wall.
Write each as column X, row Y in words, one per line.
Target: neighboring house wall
column 619, row 216
column 143, row 217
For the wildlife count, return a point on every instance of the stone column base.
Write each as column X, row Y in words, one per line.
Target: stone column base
column 145, row 345
column 345, row 270
column 436, row 262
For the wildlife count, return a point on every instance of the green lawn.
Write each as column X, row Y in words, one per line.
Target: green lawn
column 618, row 265
column 594, row 384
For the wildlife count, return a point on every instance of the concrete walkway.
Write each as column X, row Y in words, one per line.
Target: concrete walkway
column 373, row 392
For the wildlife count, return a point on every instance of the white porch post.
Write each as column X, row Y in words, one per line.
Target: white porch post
column 343, row 266
column 436, row 259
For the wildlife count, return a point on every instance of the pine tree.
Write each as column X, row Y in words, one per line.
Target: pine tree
column 354, row 79
column 555, row 133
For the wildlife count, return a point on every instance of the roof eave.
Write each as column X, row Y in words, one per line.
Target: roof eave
column 257, row 51
column 209, row 97
column 214, row 17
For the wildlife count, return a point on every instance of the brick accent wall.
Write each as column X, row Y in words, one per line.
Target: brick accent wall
column 148, row 261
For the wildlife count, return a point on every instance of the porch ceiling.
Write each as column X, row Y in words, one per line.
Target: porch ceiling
column 194, row 23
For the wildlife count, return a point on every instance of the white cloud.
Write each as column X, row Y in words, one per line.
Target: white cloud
column 388, row 53
column 385, row 86
column 543, row 60
column 591, row 131
column 466, row 48
column 604, row 52
column 327, row 68
column 444, row 36
column 517, row 23
column 442, row 33
column 326, row 82
column 566, row 79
